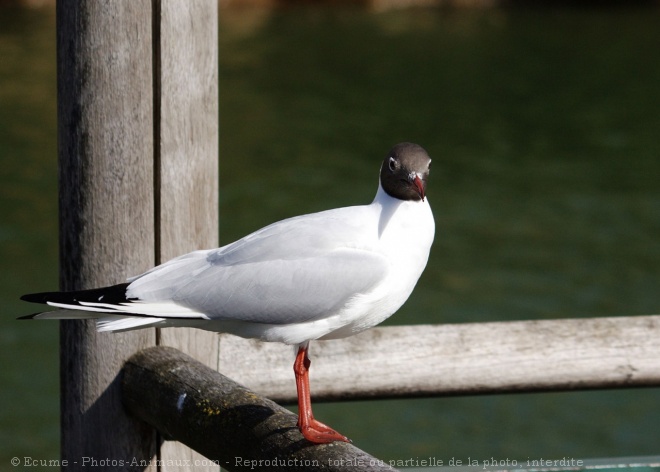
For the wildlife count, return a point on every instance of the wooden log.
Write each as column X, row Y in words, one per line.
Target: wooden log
column 224, row 421
column 186, row 116
column 105, row 151
column 459, row 359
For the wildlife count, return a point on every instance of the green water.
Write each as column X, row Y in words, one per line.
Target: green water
column 543, row 125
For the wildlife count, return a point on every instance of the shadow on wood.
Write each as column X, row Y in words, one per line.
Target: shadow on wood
column 226, row 422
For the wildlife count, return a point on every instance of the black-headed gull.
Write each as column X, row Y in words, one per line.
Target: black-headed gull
column 319, row 276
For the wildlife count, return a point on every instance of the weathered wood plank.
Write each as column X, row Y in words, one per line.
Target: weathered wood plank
column 106, row 211
column 226, row 422
column 188, row 167
column 459, row 359
column 187, row 110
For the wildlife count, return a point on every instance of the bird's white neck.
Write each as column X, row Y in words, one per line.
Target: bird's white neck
column 403, row 210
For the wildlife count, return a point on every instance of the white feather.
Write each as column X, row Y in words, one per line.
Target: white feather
column 116, row 323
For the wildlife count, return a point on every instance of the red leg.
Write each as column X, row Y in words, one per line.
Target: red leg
column 313, row 430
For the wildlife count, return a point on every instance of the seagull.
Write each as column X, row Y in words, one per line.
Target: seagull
column 323, row 275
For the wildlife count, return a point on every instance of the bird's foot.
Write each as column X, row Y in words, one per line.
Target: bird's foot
column 318, row 433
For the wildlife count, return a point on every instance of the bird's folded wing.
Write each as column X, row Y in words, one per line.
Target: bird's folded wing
column 279, row 291
column 296, row 270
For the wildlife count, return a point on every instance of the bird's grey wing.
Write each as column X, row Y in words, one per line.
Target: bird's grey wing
column 296, row 270
column 279, row 291
column 284, row 291
column 297, row 237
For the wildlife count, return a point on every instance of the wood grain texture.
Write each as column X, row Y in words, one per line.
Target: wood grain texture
column 225, row 421
column 458, row 359
column 189, row 146
column 187, row 110
column 106, row 211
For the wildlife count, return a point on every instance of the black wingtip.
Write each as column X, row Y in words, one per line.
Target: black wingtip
column 114, row 294
column 28, row 317
column 41, row 297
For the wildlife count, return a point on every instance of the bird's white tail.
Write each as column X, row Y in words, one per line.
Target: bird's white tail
column 104, row 322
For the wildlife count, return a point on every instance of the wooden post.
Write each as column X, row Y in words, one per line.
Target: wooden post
column 187, row 139
column 224, row 420
column 137, row 133
column 106, row 212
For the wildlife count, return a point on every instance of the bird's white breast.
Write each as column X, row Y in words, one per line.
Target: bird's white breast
column 404, row 236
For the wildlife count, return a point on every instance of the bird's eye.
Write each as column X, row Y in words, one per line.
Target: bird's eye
column 392, row 164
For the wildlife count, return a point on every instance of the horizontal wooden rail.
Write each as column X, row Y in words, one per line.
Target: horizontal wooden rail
column 459, row 359
column 187, row 401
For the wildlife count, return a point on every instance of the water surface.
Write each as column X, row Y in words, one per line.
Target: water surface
column 542, row 124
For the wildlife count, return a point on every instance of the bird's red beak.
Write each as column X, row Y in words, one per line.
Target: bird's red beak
column 420, row 186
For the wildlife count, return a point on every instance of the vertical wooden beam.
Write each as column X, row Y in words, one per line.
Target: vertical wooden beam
column 187, row 113
column 138, row 151
column 105, row 150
